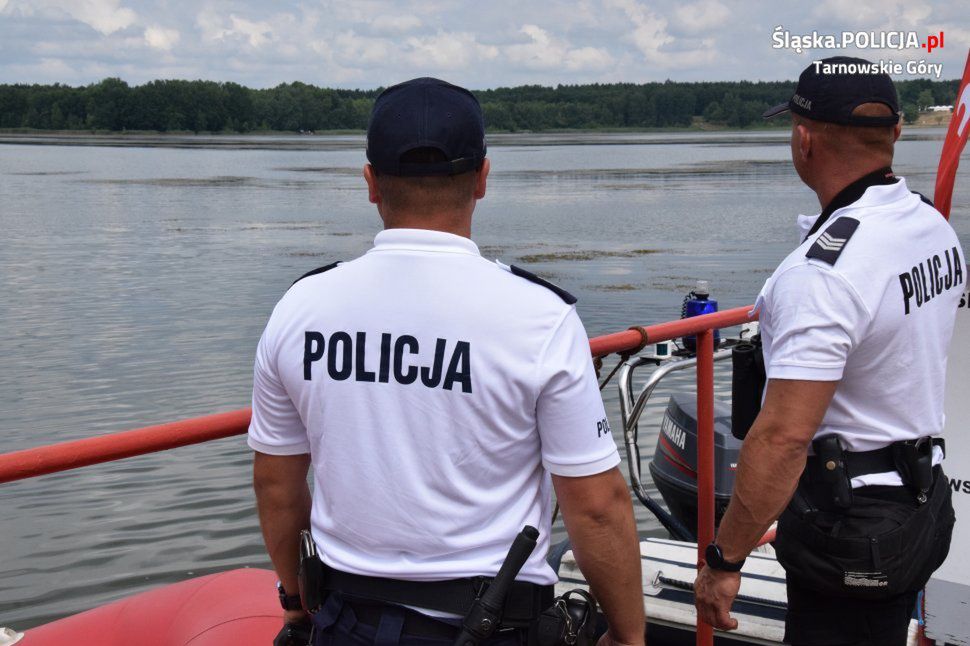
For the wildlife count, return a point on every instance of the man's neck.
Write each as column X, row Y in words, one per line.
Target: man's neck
column 446, row 223
column 830, row 185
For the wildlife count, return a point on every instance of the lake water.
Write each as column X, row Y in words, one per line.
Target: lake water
column 135, row 281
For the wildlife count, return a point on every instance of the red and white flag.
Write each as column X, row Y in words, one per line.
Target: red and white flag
column 956, row 139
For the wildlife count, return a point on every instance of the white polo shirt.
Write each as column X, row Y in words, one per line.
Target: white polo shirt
column 435, row 392
column 874, row 310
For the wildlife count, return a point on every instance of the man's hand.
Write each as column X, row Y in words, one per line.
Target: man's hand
column 714, row 592
column 296, row 617
column 607, row 640
column 295, row 633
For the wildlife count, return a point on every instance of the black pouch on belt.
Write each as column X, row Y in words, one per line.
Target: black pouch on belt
column 914, row 461
column 747, row 385
column 571, row 619
column 310, row 573
column 832, row 469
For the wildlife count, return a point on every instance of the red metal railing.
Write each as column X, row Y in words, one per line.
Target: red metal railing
column 29, row 463
column 703, row 327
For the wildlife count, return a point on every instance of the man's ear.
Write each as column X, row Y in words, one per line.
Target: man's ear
column 482, row 179
column 896, row 131
column 805, row 141
column 373, row 192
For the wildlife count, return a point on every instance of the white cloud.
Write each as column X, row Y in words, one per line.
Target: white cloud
column 395, row 24
column 544, row 52
column 214, row 27
column 161, row 38
column 258, row 33
column 447, row 50
column 44, row 70
column 105, row 16
column 538, row 53
column 3, row 4
column 350, row 49
column 875, row 14
column 649, row 30
column 662, row 50
column 701, row 16
column 588, row 59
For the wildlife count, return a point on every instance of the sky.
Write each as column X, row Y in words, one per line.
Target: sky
column 479, row 44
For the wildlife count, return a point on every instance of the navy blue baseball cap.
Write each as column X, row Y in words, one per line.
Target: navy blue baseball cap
column 426, row 113
column 829, row 90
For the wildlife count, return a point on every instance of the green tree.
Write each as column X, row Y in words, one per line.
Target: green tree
column 713, row 113
column 166, row 105
column 910, row 113
column 108, row 104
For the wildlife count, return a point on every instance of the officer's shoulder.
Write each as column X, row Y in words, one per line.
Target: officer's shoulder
column 317, row 271
column 566, row 297
column 832, row 242
column 925, row 199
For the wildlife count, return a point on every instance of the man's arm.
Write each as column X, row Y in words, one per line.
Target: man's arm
column 599, row 518
column 283, row 502
column 771, row 462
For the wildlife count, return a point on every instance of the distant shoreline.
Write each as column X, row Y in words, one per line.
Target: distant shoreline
column 925, row 120
column 353, row 139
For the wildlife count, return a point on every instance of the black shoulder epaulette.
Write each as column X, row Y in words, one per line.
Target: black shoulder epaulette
column 318, row 270
column 924, row 198
column 559, row 291
column 828, row 246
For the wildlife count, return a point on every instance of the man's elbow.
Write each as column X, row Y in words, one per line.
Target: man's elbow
column 599, row 500
column 279, row 480
column 783, row 438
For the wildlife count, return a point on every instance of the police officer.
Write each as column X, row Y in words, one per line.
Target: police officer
column 856, row 324
column 439, row 399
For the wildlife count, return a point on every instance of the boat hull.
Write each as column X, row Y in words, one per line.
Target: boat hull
column 238, row 607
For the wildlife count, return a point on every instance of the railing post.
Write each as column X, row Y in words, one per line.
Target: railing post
column 705, row 460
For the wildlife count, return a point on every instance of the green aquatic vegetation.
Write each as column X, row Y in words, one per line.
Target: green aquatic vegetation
column 622, row 287
column 579, row 255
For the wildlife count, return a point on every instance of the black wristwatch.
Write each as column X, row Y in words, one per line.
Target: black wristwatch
column 288, row 601
column 715, row 560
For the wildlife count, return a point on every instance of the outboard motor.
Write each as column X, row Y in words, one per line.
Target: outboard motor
column 674, row 464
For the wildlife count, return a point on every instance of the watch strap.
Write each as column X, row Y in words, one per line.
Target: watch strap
column 289, row 601
column 715, row 560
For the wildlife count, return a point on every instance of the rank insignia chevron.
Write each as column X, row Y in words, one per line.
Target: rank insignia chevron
column 828, row 246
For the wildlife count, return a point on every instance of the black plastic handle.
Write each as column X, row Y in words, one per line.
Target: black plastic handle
column 519, row 553
column 486, row 613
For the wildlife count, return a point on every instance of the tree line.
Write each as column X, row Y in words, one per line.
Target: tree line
column 208, row 106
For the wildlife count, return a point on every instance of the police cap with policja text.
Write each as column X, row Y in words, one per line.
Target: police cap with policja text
column 426, row 113
column 830, row 89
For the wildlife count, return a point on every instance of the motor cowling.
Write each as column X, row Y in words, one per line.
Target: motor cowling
column 674, row 464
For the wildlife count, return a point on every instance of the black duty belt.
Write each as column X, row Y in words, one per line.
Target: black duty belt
column 861, row 463
column 415, row 624
column 456, row 596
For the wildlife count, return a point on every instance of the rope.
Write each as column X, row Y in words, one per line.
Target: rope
column 613, row 372
column 644, row 340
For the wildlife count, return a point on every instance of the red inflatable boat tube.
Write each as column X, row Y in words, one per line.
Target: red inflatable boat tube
column 238, row 607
